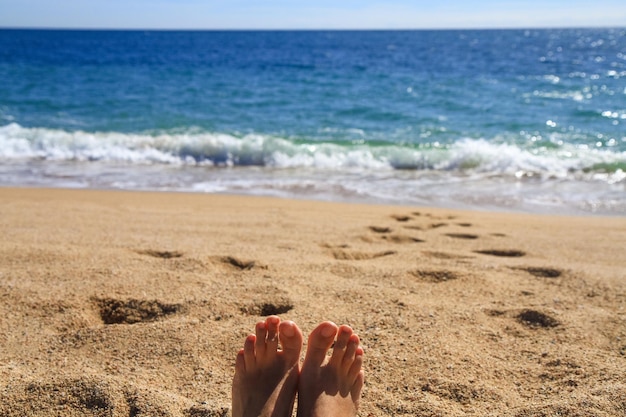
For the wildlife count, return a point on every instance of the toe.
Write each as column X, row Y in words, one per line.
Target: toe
column 339, row 350
column 350, row 353
column 355, row 369
column 261, row 335
column 291, row 341
column 240, row 362
column 355, row 392
column 248, row 352
column 271, row 342
column 320, row 340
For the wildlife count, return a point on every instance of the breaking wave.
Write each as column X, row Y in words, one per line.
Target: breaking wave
column 225, row 150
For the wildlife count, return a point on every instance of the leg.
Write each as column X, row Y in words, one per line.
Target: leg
column 331, row 387
column 266, row 378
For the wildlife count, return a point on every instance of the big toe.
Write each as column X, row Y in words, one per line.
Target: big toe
column 290, row 340
column 320, row 341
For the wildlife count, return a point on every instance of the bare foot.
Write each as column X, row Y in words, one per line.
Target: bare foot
column 266, row 378
column 331, row 388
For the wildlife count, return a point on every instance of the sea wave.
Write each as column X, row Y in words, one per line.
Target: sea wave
column 226, row 150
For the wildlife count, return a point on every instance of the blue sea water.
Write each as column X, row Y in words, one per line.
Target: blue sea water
column 522, row 120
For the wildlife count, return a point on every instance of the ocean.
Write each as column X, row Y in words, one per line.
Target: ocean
column 509, row 120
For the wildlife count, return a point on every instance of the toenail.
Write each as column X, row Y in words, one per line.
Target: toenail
column 328, row 331
column 288, row 331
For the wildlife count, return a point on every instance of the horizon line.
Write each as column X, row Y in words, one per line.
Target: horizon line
column 139, row 29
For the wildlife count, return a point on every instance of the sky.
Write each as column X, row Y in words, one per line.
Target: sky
column 311, row 14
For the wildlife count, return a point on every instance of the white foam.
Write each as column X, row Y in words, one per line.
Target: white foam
column 218, row 149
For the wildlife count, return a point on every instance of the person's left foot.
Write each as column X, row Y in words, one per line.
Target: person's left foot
column 266, row 379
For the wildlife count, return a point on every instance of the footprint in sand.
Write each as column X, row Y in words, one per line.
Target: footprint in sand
column 509, row 253
column 455, row 391
column 380, row 229
column 430, row 226
column 113, row 311
column 237, row 263
column 436, row 276
column 462, row 236
column 402, row 239
column 414, row 227
column 528, row 317
column 536, row 319
column 163, row 254
column 274, row 306
column 344, row 255
column 176, row 260
column 341, row 252
column 73, row 396
column 445, row 255
column 346, row 270
column 401, row 217
column 541, row 272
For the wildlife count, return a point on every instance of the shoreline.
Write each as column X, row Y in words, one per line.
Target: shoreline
column 458, row 207
column 118, row 301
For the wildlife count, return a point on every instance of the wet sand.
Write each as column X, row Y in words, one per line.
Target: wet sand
column 135, row 304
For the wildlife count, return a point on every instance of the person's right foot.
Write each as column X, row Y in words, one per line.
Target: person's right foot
column 331, row 387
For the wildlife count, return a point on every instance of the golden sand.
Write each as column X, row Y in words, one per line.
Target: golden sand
column 135, row 304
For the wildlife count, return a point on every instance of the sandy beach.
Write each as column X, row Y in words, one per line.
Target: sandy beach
column 134, row 303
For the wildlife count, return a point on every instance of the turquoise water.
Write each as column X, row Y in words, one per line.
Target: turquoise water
column 518, row 120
